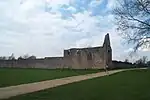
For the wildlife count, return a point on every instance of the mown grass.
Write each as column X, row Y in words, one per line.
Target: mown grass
column 13, row 76
column 128, row 85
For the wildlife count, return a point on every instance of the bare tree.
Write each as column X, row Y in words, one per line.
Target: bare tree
column 20, row 58
column 32, row 57
column 133, row 20
column 142, row 61
column 126, row 60
column 11, row 57
column 148, row 63
column 26, row 56
column 3, row 58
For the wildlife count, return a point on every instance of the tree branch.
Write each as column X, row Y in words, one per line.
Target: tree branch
column 144, row 7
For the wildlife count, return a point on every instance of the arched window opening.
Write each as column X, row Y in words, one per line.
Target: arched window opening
column 68, row 53
column 78, row 52
column 89, row 56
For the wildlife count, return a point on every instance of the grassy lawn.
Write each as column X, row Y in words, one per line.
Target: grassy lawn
column 10, row 76
column 129, row 85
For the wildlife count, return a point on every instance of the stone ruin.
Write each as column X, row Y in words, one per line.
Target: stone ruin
column 93, row 57
column 74, row 58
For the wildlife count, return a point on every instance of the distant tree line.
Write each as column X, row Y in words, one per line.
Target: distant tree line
column 12, row 57
column 26, row 57
column 141, row 62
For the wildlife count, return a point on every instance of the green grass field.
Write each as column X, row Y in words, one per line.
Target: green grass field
column 10, row 76
column 129, row 85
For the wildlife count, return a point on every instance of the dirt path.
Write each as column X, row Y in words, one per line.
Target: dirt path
column 8, row 92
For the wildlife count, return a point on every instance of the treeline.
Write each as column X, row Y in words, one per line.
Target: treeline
column 141, row 62
column 12, row 57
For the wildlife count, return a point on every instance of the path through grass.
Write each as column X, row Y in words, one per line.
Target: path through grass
column 129, row 85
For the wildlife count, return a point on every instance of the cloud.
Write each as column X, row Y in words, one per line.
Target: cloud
column 46, row 28
column 58, row 2
column 95, row 3
column 129, row 50
column 111, row 4
column 72, row 9
column 44, row 34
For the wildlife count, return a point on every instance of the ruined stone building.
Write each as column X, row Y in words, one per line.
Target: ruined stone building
column 75, row 58
column 93, row 57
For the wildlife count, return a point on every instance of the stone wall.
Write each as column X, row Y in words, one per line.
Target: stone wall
column 81, row 58
column 121, row 65
column 93, row 57
column 51, row 63
column 75, row 58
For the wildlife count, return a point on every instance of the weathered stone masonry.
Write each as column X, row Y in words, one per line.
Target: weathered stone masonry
column 94, row 57
column 75, row 58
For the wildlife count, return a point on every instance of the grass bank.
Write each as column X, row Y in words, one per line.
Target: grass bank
column 128, row 85
column 13, row 76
